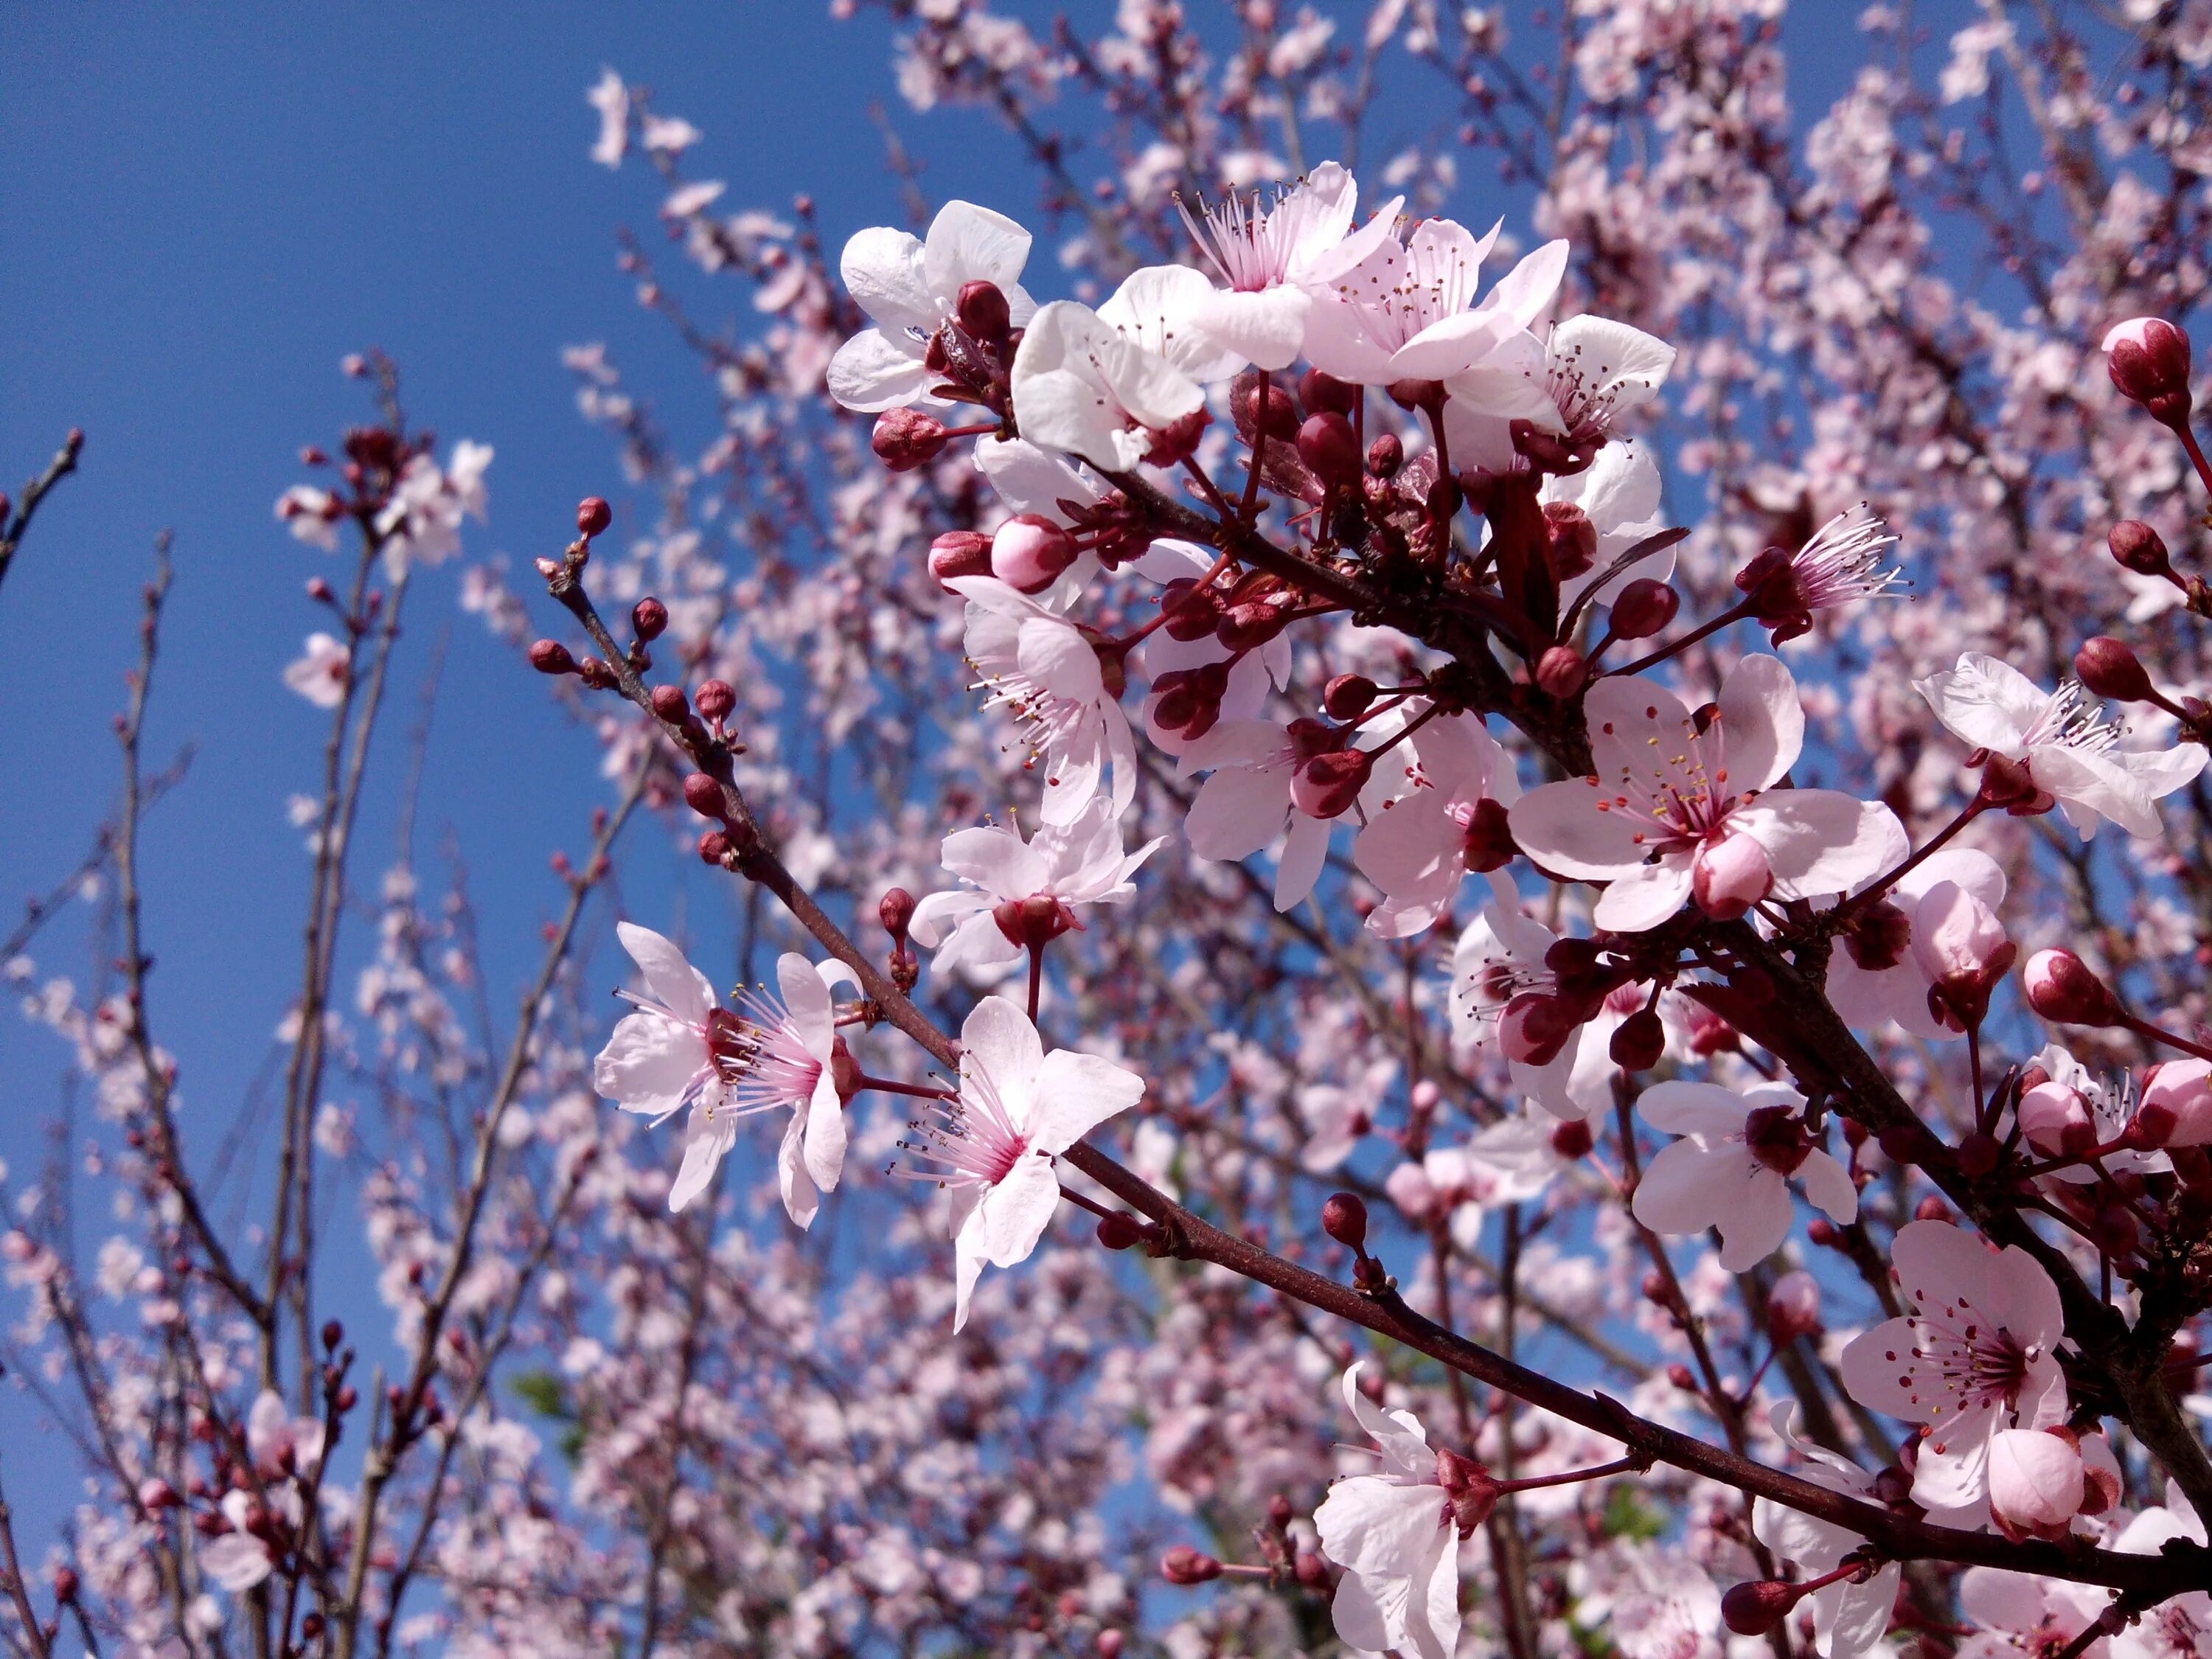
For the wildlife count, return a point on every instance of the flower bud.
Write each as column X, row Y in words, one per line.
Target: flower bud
column 1029, row 552
column 670, row 703
column 1110, row 1643
column 1177, row 441
column 1728, row 877
column 2136, row 546
column 1572, row 1139
column 1192, row 611
column 2179, row 1093
column 959, row 553
column 1486, row 841
column 1272, row 412
column 2148, row 358
column 895, row 911
column 1325, row 786
column 1569, row 540
column 158, row 1495
column 984, row 314
column 1348, row 697
column 2061, row 988
column 1416, row 394
column 713, row 846
column 648, row 619
column 1978, row 1153
column 1325, row 394
column 1184, row 1565
column 1756, row 1607
column 715, row 700
column 1638, row 1042
column 1679, row 1374
column 593, row 515
column 2056, row 1120
column 65, row 1585
column 333, row 1334
column 1562, row 672
column 1344, row 1219
column 1793, row 1307
column 1330, row 449
column 2036, row 1483
column 2108, row 668
column 1118, row 1231
column 704, row 796
column 552, row 657
column 1645, row 606
column 1386, row 455
column 905, row 438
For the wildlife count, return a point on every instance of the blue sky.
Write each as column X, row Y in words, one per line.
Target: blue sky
column 205, row 208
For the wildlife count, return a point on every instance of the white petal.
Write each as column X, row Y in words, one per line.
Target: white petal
column 883, row 271
column 1074, row 1094
column 971, row 244
column 1016, row 1212
column 1762, row 723
column 998, row 1038
column 681, row 988
column 650, row 1064
column 873, row 372
column 825, row 1116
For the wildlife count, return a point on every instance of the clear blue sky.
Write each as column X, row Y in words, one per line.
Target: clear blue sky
column 203, row 209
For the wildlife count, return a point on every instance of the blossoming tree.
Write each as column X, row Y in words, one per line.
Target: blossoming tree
column 1468, row 850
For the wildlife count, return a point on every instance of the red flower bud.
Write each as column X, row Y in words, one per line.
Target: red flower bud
column 1325, row 394
column 1416, row 394
column 552, row 657
column 959, row 553
column 895, row 912
column 1754, row 1608
column 905, row 438
column 1273, row 413
column 1325, row 786
column 593, row 515
column 648, row 619
column 704, row 796
column 2108, row 668
column 2061, row 988
column 1344, row 1219
column 1572, row 1139
column 1184, row 1565
column 715, row 699
column 1348, row 697
column 1330, row 449
column 1562, row 672
column 2136, row 546
column 1638, row 1042
column 669, row 703
column 713, row 846
column 1645, row 606
column 2148, row 358
column 1119, row 1231
column 983, row 312
column 1029, row 552
column 1386, row 455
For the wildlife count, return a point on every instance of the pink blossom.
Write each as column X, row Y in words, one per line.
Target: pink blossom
column 909, row 289
column 1393, row 1533
column 1732, row 1168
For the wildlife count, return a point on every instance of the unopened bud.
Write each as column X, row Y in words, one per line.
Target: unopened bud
column 1268, row 409
column 905, row 438
column 895, row 911
column 1645, row 606
column 2148, row 358
column 593, row 515
column 1793, row 1307
column 65, row 1585
column 704, row 796
column 648, row 619
column 1638, row 1042
column 1679, row 1374
column 1325, row 786
column 715, row 700
column 1324, row 393
column 1754, row 1608
column 1562, row 672
column 2060, row 986
column 1486, row 841
column 1569, row 540
column 2108, row 668
column 1184, row 1565
column 669, row 703
column 1386, row 455
column 1344, row 1219
column 333, row 1334
column 1348, row 697
column 959, row 553
column 1416, row 394
column 1330, row 449
column 1572, row 1139
column 713, row 846
column 983, row 312
column 1118, row 1231
column 1029, row 552
column 552, row 657
column 2136, row 546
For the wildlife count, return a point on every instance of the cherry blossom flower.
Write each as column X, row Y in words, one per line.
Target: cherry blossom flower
column 909, row 289
column 1618, row 493
column 2017, row 1612
column 1850, row 1618
column 279, row 1442
column 1084, row 386
column 680, row 1050
column 1508, row 1162
column 1502, row 958
column 1253, row 794
column 1035, row 663
column 1158, row 307
column 611, row 99
column 2180, row 1628
column 1590, row 372
column 1675, row 809
column 422, row 522
column 1974, row 1357
column 1019, row 1108
column 312, row 514
column 1878, row 973
column 1732, row 1168
column 1407, row 311
column 1393, row 1533
column 1415, row 848
column 2073, row 1109
column 1270, row 257
column 238, row 1560
column 1244, row 676
column 319, row 673
column 1845, row 562
column 1067, row 865
column 2070, row 753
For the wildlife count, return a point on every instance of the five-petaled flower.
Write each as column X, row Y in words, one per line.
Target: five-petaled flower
column 681, row 1049
column 1732, row 1168
column 910, row 289
column 1394, row 1534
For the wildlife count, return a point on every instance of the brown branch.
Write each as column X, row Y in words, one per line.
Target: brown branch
column 63, row 464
